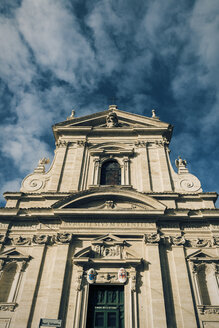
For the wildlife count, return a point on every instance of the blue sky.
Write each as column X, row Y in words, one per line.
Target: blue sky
column 59, row 55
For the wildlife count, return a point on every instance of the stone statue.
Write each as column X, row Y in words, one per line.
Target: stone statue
column 180, row 162
column 112, row 120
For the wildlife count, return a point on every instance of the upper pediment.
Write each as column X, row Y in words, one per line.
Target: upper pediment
column 101, row 120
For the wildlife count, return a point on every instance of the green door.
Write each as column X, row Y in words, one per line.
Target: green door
column 105, row 307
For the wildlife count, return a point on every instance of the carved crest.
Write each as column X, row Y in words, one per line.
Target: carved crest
column 91, row 276
column 122, row 275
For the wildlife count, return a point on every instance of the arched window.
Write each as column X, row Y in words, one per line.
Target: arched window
column 110, row 173
column 6, row 281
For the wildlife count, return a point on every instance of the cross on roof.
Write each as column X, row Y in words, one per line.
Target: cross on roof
column 113, row 100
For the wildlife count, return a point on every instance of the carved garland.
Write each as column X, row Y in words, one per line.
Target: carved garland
column 59, row 238
column 149, row 238
column 180, row 240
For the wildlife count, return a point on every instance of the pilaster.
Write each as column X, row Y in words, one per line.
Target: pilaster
column 78, row 165
column 67, row 176
column 143, row 167
column 56, row 283
column 58, row 166
column 156, row 287
column 26, row 304
column 182, row 297
column 164, row 168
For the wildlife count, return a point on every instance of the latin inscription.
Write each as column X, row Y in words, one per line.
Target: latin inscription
column 109, row 224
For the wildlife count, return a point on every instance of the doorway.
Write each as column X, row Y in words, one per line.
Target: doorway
column 105, row 307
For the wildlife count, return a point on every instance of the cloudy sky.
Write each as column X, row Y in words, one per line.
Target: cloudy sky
column 56, row 55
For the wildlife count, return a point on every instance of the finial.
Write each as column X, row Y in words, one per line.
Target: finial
column 72, row 115
column 41, row 165
column 154, row 115
column 112, row 107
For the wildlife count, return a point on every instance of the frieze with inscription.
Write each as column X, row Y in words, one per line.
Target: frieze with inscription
column 109, row 224
column 197, row 227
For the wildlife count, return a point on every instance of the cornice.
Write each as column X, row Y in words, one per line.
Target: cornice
column 62, row 213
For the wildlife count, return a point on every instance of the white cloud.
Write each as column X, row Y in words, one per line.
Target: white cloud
column 15, row 67
column 198, row 68
column 54, row 36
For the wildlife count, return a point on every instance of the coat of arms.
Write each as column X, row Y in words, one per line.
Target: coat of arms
column 91, row 276
column 122, row 275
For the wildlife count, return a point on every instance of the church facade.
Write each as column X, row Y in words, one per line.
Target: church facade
column 111, row 236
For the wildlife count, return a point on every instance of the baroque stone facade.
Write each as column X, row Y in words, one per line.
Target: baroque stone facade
column 110, row 219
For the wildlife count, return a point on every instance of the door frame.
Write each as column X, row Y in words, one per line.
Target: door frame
column 107, row 307
column 106, row 274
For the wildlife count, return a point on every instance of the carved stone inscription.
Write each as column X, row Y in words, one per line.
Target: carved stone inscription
column 109, row 224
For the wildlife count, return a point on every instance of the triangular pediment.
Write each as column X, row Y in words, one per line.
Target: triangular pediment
column 200, row 255
column 107, row 247
column 125, row 120
column 114, row 199
column 13, row 253
column 108, row 239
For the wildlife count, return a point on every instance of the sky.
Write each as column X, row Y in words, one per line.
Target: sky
column 59, row 55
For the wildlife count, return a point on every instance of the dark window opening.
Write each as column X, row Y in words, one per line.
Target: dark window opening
column 110, row 173
column 6, row 281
